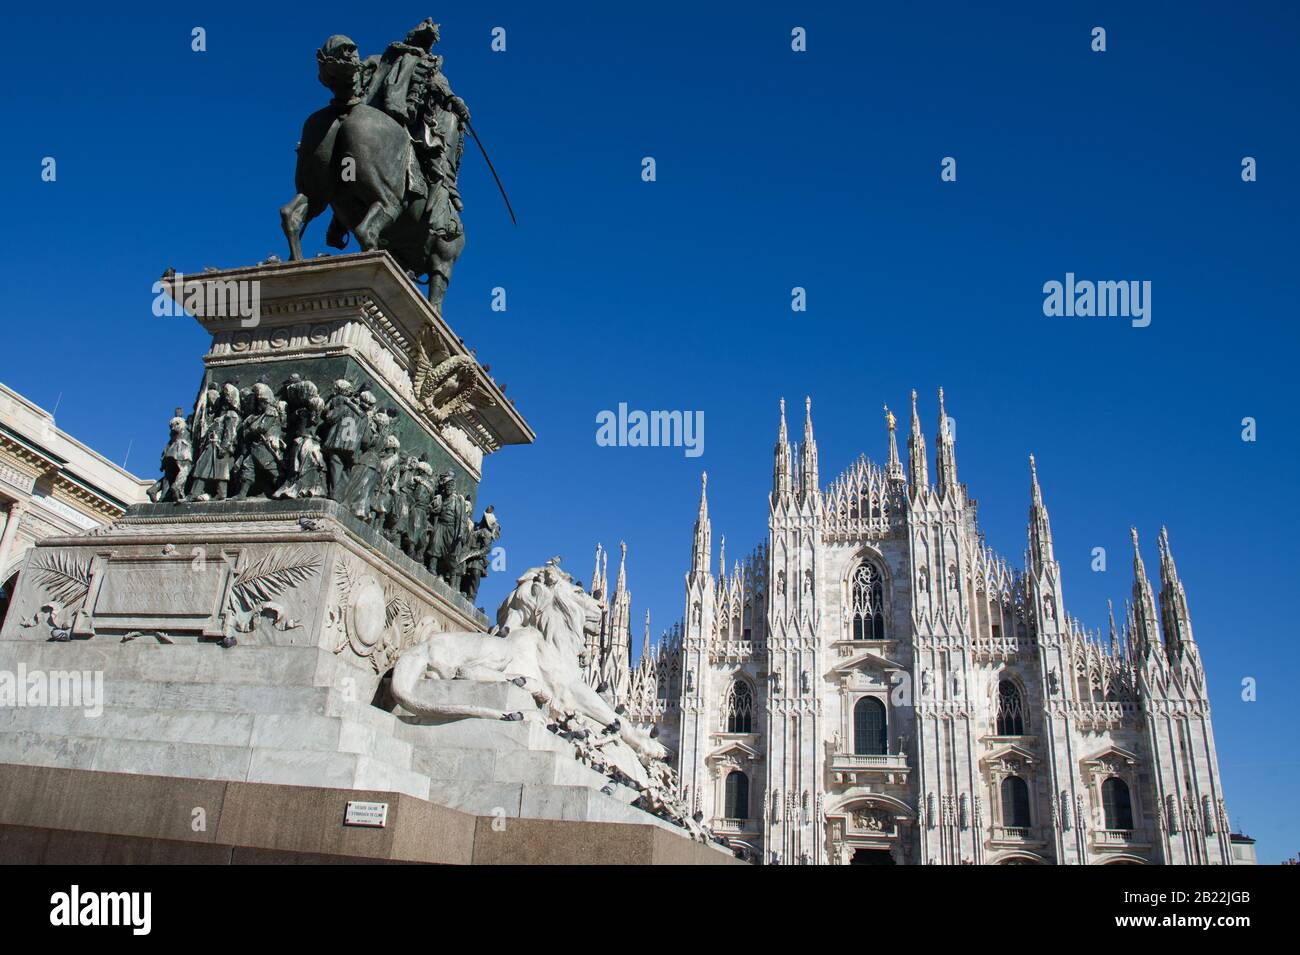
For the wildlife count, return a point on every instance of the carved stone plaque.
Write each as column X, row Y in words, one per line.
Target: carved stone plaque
column 160, row 592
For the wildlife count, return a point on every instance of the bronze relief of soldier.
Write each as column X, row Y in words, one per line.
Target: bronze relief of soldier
column 262, row 441
column 177, row 461
column 359, row 492
column 217, row 435
column 292, row 443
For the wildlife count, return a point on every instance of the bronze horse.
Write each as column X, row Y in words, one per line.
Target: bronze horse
column 361, row 162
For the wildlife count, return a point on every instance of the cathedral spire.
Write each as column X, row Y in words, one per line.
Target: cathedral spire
column 917, row 475
column 1144, row 609
column 895, row 467
column 618, row 661
column 808, row 453
column 702, row 548
column 783, row 469
column 945, row 453
column 596, row 586
column 1175, row 621
column 1040, row 527
column 722, row 559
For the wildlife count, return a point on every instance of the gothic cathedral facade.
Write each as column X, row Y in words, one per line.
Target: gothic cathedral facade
column 875, row 685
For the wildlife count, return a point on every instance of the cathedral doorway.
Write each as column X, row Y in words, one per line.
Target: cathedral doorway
column 872, row 857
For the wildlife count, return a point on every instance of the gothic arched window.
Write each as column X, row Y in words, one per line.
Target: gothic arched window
column 1116, row 804
column 1015, row 803
column 1011, row 710
column 869, row 728
column 737, row 795
column 738, row 708
column 868, row 603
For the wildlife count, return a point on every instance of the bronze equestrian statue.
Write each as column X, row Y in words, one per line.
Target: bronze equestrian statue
column 384, row 155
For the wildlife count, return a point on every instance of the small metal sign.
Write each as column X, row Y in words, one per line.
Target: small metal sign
column 371, row 814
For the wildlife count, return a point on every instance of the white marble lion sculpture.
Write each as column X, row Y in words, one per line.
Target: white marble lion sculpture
column 536, row 646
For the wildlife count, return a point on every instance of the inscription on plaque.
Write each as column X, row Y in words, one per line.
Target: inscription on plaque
column 161, row 592
column 373, row 815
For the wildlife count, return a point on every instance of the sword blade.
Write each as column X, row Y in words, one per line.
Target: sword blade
column 493, row 170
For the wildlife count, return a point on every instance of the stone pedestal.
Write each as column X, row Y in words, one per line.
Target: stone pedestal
column 357, row 317
column 296, row 716
column 286, row 570
column 248, row 641
column 262, row 573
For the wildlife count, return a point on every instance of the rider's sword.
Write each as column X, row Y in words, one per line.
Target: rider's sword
column 493, row 171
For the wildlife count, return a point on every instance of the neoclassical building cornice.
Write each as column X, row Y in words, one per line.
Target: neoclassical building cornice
column 51, row 483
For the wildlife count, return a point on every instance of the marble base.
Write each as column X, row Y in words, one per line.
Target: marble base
column 296, row 716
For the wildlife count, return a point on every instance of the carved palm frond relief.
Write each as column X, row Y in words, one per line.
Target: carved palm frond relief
column 272, row 574
column 399, row 610
column 64, row 578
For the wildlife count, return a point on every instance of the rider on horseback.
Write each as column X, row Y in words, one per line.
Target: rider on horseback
column 409, row 85
column 385, row 155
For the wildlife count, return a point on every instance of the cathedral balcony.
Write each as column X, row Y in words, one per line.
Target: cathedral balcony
column 854, row 769
column 851, row 648
column 1097, row 716
column 738, row 827
column 734, row 651
column 1007, row 837
column 1001, row 649
column 1121, row 839
column 846, row 529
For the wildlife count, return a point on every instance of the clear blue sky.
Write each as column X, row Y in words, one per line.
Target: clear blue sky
column 775, row 169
